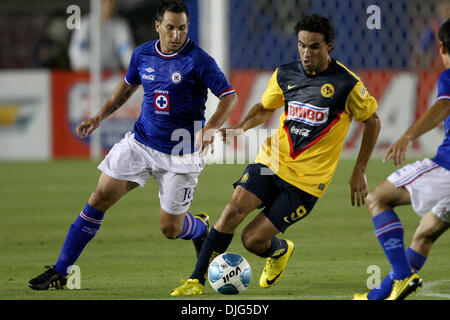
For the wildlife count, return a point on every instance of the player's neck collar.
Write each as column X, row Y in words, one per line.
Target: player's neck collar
column 323, row 72
column 170, row 55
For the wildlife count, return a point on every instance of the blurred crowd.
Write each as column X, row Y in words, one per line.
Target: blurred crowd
column 35, row 35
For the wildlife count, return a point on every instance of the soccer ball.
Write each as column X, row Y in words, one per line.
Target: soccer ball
column 229, row 273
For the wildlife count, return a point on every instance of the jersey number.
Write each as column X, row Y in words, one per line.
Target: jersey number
column 298, row 214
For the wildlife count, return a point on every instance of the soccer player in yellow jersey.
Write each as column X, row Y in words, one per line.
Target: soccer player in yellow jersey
column 294, row 167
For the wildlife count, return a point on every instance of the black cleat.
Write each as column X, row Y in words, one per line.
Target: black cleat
column 198, row 243
column 48, row 279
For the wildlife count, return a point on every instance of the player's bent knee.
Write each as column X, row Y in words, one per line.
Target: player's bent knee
column 234, row 212
column 372, row 198
column 100, row 201
column 374, row 202
column 169, row 231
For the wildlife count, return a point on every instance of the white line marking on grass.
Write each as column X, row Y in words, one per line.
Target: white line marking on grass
column 427, row 290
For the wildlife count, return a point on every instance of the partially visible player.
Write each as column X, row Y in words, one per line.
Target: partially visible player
column 116, row 41
column 294, row 167
column 175, row 75
column 424, row 184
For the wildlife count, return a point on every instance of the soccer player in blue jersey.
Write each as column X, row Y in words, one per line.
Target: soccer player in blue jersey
column 175, row 75
column 425, row 185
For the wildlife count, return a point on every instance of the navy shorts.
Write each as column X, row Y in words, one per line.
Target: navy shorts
column 283, row 203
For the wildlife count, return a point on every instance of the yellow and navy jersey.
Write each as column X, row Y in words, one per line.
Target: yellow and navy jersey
column 318, row 111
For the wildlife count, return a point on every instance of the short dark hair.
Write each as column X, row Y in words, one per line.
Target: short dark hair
column 444, row 34
column 316, row 23
column 175, row 6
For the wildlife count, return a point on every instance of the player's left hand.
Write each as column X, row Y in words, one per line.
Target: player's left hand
column 205, row 138
column 358, row 187
column 230, row 134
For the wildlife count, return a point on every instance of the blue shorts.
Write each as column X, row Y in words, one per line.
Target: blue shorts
column 283, row 203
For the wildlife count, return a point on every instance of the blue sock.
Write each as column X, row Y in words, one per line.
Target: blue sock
column 215, row 243
column 384, row 290
column 193, row 228
column 80, row 233
column 415, row 259
column 389, row 231
column 416, row 262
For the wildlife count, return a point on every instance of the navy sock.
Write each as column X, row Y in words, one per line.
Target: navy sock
column 416, row 262
column 277, row 248
column 193, row 228
column 80, row 233
column 215, row 243
column 389, row 231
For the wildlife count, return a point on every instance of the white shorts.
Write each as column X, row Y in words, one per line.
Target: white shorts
column 428, row 185
column 177, row 176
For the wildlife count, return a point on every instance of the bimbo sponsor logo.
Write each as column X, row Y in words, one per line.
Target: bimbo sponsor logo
column 307, row 113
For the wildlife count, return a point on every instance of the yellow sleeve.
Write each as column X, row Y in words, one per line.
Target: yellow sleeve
column 360, row 104
column 273, row 97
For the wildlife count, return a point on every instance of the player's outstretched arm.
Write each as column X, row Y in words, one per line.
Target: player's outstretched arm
column 429, row 120
column 358, row 181
column 121, row 94
column 256, row 116
column 205, row 137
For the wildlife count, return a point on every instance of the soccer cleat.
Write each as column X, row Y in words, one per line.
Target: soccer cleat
column 274, row 269
column 48, row 279
column 402, row 288
column 361, row 296
column 198, row 243
column 188, row 288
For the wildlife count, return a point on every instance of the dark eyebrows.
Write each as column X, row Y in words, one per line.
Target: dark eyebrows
column 314, row 44
column 169, row 25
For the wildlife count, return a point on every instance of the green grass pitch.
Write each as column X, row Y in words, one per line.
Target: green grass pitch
column 130, row 258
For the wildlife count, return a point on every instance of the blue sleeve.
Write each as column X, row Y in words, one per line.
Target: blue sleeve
column 444, row 85
column 132, row 77
column 211, row 75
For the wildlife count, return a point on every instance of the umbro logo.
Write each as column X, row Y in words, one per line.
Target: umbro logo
column 148, row 76
column 393, row 243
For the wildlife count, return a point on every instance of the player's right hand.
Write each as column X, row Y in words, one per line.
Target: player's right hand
column 86, row 127
column 397, row 151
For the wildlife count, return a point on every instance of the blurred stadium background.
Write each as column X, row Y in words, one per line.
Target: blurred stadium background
column 42, row 99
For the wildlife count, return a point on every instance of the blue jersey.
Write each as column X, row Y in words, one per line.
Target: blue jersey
column 442, row 157
column 175, row 91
